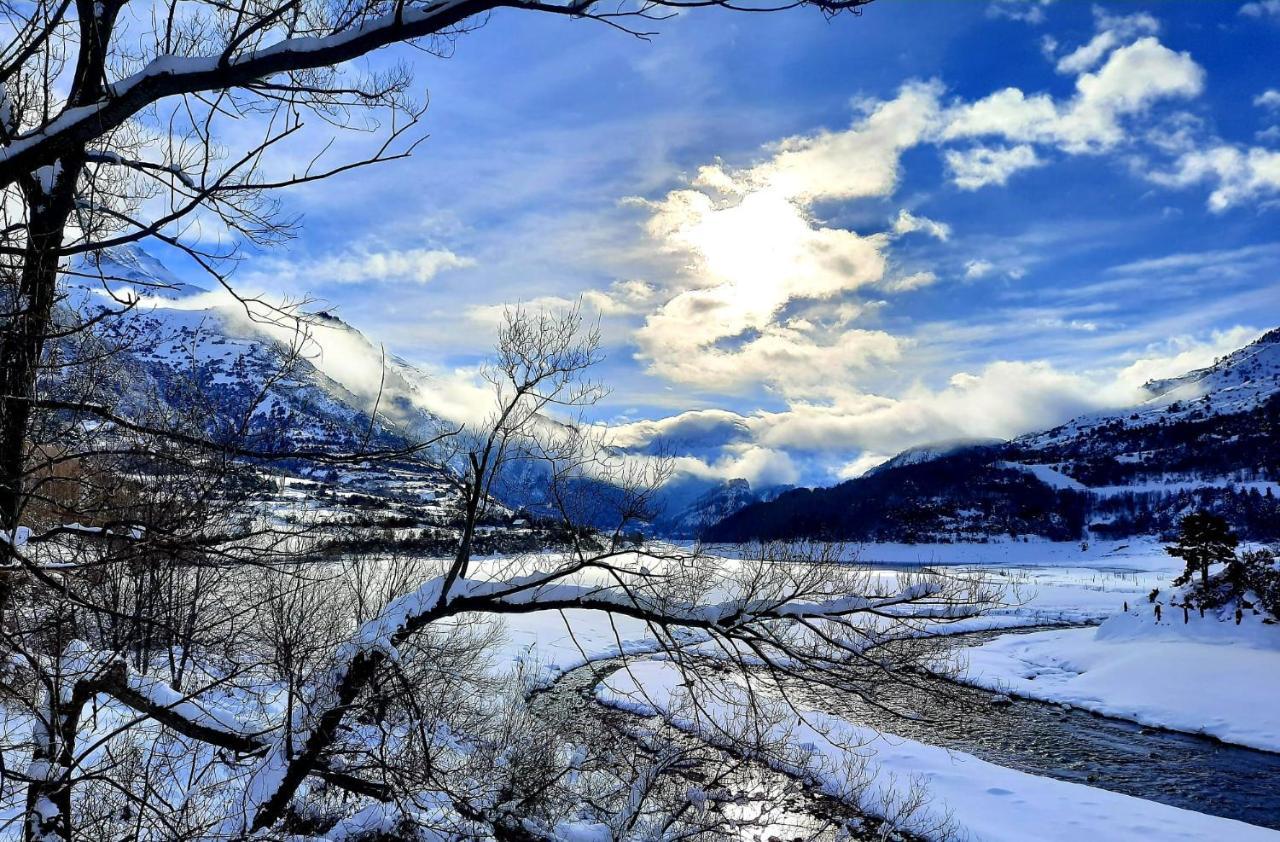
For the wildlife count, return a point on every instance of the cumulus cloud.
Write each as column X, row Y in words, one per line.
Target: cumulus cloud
column 621, row 298
column 982, row 165
column 907, row 223
column 858, row 162
column 1112, row 31
column 1270, row 98
column 696, row 430
column 1132, row 78
column 1000, row 400
column 766, row 293
column 795, row 358
column 751, row 248
column 1238, row 174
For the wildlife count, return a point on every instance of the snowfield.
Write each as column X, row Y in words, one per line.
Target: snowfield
column 985, row 801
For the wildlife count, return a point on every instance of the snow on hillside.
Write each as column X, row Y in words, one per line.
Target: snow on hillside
column 1239, row 382
column 929, row 452
column 183, row 338
column 129, row 267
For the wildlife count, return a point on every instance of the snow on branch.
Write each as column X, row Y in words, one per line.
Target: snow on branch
column 317, row 723
column 113, row 158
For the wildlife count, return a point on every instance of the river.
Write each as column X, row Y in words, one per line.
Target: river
column 1183, row 770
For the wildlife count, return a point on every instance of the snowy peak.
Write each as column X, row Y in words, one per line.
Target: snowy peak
column 1244, row 381
column 131, row 267
column 1234, row 383
column 180, row 345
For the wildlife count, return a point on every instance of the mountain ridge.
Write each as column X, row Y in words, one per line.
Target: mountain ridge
column 1207, row 439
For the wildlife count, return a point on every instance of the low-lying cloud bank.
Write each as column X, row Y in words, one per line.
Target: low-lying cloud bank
column 823, row 442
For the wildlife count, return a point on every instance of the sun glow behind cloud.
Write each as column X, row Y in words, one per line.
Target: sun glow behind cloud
column 758, row 260
column 878, row 251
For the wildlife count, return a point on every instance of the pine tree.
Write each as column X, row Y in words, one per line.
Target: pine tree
column 1204, row 539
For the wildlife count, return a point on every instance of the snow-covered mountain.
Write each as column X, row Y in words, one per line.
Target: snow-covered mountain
column 1240, row 382
column 187, row 348
column 930, row 452
column 690, row 505
column 1208, row 439
column 184, row 355
column 180, row 342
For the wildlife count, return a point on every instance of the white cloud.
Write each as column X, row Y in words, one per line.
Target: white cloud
column 906, row 283
column 983, row 165
column 363, row 264
column 1087, row 55
column 1027, row 11
column 858, row 162
column 907, row 222
column 1112, row 31
column 491, row 316
column 621, row 298
column 1239, row 175
column 1261, row 9
column 795, row 358
column 859, row 466
column 1270, row 98
column 976, row 269
column 693, row 430
column 417, row 265
column 1001, row 400
column 1179, row 355
column 1133, row 78
column 1048, row 47
column 750, row 249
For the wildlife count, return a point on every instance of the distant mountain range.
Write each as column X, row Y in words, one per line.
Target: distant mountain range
column 1209, row 439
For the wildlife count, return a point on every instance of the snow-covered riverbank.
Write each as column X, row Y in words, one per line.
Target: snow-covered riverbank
column 1210, row 678
column 984, row 801
column 1207, row 676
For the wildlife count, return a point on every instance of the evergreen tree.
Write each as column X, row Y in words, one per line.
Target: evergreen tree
column 1204, row 539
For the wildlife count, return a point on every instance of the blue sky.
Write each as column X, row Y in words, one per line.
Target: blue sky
column 813, row 243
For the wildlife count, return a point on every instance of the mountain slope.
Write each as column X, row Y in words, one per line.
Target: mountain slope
column 1208, row 439
column 182, row 347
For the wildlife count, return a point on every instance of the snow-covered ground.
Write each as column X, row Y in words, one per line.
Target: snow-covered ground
column 1044, row 582
column 984, row 801
column 1208, row 676
column 549, row 643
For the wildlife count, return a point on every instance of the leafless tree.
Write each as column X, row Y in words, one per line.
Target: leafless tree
column 113, row 130
column 167, row 676
column 157, row 692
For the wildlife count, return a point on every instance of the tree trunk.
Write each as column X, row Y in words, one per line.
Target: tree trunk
column 22, row 345
column 49, row 799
